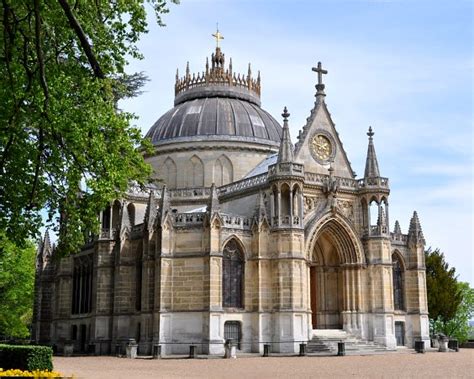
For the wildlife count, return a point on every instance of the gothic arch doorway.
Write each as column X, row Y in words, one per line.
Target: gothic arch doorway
column 335, row 290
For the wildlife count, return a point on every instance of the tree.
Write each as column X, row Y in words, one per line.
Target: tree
column 17, row 273
column 444, row 296
column 64, row 146
column 458, row 327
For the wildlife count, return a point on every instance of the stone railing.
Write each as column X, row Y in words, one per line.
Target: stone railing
column 286, row 169
column 376, row 230
column 106, row 234
column 321, row 179
column 197, row 193
column 188, row 219
column 233, row 221
column 286, row 221
column 396, row 237
column 373, row 182
column 243, row 184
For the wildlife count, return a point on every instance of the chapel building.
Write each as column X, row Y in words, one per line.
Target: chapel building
column 246, row 237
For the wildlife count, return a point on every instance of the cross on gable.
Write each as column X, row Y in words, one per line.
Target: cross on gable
column 320, row 72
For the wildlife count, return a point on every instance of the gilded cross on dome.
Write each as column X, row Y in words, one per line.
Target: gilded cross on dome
column 218, row 36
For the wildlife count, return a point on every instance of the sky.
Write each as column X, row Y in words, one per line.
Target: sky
column 403, row 67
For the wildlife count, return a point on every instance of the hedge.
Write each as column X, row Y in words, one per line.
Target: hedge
column 26, row 357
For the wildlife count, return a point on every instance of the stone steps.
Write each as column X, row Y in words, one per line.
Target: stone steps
column 326, row 340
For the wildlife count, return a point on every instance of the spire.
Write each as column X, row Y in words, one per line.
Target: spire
column 415, row 234
column 260, row 212
column 286, row 148
column 397, row 229
column 213, row 205
column 165, row 203
column 151, row 211
column 371, row 165
column 382, row 220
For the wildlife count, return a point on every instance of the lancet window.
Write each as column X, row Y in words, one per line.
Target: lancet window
column 397, row 273
column 232, row 275
column 82, row 285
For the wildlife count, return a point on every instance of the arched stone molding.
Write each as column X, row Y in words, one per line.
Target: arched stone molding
column 223, row 171
column 171, row 173
column 239, row 243
column 345, row 237
column 195, row 172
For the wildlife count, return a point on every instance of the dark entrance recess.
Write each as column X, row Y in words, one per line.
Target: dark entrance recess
column 83, row 335
column 400, row 333
column 233, row 330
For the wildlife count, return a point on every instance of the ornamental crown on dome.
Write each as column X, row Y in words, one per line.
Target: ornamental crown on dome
column 217, row 75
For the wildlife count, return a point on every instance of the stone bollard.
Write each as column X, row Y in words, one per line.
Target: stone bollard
column 453, row 345
column 420, row 347
column 302, row 349
column 230, row 349
column 443, row 344
column 192, row 351
column 131, row 349
column 266, row 350
column 156, row 351
column 341, row 349
column 68, row 349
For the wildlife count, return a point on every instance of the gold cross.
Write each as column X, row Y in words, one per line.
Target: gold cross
column 218, row 36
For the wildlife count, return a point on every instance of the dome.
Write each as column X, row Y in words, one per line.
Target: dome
column 217, row 104
column 216, row 116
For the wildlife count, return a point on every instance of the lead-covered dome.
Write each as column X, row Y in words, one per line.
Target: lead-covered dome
column 217, row 103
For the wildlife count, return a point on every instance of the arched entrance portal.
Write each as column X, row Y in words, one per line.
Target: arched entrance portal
column 326, row 285
column 335, row 278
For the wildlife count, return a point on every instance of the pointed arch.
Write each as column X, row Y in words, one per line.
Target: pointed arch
column 344, row 237
column 131, row 213
column 171, row 173
column 223, row 172
column 398, row 281
column 233, row 271
column 195, row 172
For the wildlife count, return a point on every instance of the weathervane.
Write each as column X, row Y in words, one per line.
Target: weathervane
column 217, row 35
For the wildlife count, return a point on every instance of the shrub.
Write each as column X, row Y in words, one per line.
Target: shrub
column 26, row 357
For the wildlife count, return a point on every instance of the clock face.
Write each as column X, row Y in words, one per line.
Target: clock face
column 321, row 147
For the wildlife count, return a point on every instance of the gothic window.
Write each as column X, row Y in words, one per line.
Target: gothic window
column 397, row 273
column 232, row 275
column 223, row 171
column 131, row 213
column 106, row 218
column 196, row 172
column 82, row 285
column 138, row 281
column 171, row 173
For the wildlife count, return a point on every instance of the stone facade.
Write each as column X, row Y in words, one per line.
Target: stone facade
column 248, row 239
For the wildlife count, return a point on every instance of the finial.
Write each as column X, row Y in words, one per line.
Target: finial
column 217, row 35
column 285, row 114
column 177, row 74
column 187, row 69
column 250, row 71
column 370, row 133
column 320, row 86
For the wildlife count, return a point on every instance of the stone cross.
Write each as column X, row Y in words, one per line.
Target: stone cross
column 320, row 72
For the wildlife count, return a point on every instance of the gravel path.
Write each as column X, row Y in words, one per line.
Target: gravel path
column 393, row 365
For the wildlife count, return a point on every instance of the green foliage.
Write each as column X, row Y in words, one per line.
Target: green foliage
column 444, row 296
column 64, row 146
column 26, row 357
column 17, row 274
column 458, row 327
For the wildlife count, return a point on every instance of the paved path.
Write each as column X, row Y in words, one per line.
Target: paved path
column 394, row 365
